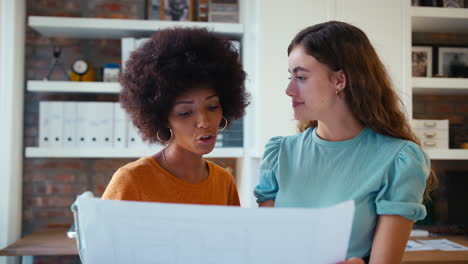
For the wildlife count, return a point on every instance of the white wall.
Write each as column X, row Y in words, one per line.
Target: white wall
column 278, row 22
column 12, row 31
column 387, row 24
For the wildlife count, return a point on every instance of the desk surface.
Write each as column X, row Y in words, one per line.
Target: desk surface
column 437, row 256
column 55, row 242
column 49, row 242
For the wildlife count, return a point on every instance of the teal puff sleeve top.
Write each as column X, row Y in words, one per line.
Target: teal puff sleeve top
column 382, row 174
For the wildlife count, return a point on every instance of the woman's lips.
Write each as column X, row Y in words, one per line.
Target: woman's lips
column 207, row 139
column 296, row 104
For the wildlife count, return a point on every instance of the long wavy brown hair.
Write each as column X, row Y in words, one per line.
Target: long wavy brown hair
column 369, row 91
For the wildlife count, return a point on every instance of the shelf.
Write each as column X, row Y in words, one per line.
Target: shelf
column 99, row 28
column 423, row 85
column 73, row 87
column 438, row 19
column 447, row 154
column 36, row 152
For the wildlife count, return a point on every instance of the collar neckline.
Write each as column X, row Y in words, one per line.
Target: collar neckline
column 342, row 143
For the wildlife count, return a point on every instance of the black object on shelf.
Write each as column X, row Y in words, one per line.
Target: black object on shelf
column 57, row 51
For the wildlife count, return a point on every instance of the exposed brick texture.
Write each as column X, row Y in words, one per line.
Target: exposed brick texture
column 444, row 107
column 455, row 109
column 451, row 107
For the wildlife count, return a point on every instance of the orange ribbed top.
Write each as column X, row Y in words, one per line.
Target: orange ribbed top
column 145, row 180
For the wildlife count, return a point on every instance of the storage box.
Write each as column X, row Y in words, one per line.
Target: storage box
column 432, row 133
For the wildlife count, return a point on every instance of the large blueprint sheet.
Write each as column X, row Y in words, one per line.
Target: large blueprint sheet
column 139, row 232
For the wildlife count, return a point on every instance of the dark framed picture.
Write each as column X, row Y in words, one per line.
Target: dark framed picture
column 453, row 62
column 177, row 10
column 225, row 11
column 153, row 9
column 453, row 3
column 421, row 60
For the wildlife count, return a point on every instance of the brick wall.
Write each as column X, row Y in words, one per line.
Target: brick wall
column 50, row 185
column 455, row 109
column 451, row 107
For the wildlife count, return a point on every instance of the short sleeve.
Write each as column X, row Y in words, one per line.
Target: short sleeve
column 403, row 188
column 122, row 187
column 268, row 186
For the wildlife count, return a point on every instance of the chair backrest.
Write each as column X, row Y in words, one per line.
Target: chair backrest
column 77, row 234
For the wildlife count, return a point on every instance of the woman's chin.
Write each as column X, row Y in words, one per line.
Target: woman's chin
column 204, row 149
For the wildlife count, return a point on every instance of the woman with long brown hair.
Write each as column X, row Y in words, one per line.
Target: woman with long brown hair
column 355, row 143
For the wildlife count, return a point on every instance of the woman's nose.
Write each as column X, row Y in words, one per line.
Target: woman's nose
column 291, row 89
column 203, row 120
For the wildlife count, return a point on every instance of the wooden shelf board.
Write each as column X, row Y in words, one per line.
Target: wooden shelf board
column 99, row 28
column 438, row 19
column 447, row 154
column 73, row 87
column 228, row 152
column 422, row 85
column 36, row 152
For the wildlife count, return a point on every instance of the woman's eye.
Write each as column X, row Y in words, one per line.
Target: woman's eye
column 213, row 107
column 184, row 114
column 300, row 78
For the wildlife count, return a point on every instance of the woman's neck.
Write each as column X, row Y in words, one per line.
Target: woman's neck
column 183, row 164
column 342, row 126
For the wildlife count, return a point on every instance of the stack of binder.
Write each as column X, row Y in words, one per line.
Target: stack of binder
column 86, row 125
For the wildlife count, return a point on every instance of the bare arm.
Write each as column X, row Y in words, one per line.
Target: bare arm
column 391, row 236
column 268, row 203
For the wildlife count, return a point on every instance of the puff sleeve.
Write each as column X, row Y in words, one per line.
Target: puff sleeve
column 403, row 187
column 268, row 186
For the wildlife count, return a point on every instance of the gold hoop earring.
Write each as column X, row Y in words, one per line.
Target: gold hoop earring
column 164, row 141
column 338, row 92
column 225, row 124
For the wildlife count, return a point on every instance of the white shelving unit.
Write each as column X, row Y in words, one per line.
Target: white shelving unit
column 73, row 87
column 428, row 85
column 99, row 28
column 36, row 152
column 437, row 19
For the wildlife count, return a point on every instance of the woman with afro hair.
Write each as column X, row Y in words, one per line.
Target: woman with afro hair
column 180, row 88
